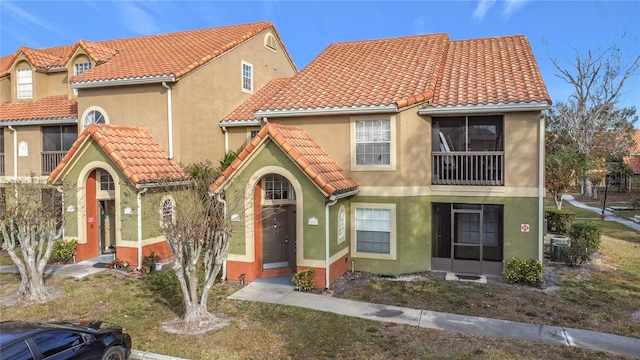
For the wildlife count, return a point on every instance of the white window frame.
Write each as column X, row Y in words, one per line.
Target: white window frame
column 110, row 182
column 392, row 231
column 342, row 224
column 270, row 42
column 246, row 78
column 356, row 121
column 78, row 69
column 25, row 83
column 92, row 110
column 163, row 210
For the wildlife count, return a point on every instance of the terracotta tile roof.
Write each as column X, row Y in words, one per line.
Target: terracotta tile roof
column 495, row 70
column 636, row 138
column 52, row 107
column 168, row 54
column 304, row 152
column 409, row 70
column 399, row 71
column 98, row 52
column 132, row 149
column 245, row 112
column 42, row 59
column 633, row 162
column 148, row 56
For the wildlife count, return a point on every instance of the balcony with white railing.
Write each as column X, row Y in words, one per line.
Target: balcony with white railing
column 50, row 160
column 479, row 168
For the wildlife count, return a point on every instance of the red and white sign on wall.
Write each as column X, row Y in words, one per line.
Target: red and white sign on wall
column 524, row 227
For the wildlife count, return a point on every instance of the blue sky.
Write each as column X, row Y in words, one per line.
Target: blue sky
column 554, row 28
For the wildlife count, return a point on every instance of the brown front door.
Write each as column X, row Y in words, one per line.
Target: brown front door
column 278, row 237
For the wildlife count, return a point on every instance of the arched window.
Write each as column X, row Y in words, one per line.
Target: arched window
column 277, row 187
column 106, row 181
column 168, row 211
column 270, row 42
column 93, row 117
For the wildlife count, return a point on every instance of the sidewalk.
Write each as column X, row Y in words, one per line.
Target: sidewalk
column 78, row 270
column 610, row 216
column 263, row 290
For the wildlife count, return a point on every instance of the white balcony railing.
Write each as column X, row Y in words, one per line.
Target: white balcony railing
column 482, row 168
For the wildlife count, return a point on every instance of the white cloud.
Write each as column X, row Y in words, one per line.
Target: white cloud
column 24, row 17
column 482, row 8
column 136, row 19
column 419, row 26
column 511, row 6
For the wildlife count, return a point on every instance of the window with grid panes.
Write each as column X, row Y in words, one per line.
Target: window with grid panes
column 25, row 84
column 373, row 230
column 373, row 142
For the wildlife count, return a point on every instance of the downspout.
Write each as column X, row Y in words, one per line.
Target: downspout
column 139, row 204
column 59, row 188
column 15, row 159
column 541, row 188
column 333, row 200
column 224, row 216
column 15, row 152
column 226, row 140
column 169, row 119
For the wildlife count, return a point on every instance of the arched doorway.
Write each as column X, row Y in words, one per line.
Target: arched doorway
column 100, row 213
column 278, row 220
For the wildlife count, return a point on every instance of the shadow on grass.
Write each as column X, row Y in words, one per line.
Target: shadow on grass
column 165, row 290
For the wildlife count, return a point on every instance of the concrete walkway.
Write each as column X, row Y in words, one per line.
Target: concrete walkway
column 275, row 292
column 609, row 215
column 78, row 270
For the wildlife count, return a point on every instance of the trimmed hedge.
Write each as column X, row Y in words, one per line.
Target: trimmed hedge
column 559, row 221
column 518, row 270
column 585, row 241
column 63, row 251
column 304, row 280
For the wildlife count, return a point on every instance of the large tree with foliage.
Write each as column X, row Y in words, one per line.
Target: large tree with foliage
column 29, row 230
column 198, row 235
column 563, row 164
column 592, row 117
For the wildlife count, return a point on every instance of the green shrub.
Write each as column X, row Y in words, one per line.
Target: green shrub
column 559, row 221
column 304, row 280
column 585, row 241
column 63, row 251
column 518, row 270
column 150, row 260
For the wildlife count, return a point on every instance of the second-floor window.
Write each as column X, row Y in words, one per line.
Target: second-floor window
column 58, row 138
column 247, row 77
column 82, row 67
column 94, row 117
column 25, row 84
column 373, row 142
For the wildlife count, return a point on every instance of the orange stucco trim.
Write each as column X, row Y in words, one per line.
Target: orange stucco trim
column 90, row 249
column 130, row 254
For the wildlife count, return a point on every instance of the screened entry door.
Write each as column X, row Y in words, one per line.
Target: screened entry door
column 278, row 237
column 467, row 241
column 467, row 238
column 107, row 226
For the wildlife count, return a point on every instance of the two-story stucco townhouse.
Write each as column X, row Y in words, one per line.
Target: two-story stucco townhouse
column 392, row 156
column 156, row 102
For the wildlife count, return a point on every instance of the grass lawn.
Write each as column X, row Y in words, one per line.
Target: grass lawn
column 601, row 297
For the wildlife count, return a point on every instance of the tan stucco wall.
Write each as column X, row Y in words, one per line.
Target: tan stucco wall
column 5, row 90
column 222, row 79
column 32, row 135
column 521, row 149
column 199, row 101
column 413, row 148
column 238, row 137
column 50, row 84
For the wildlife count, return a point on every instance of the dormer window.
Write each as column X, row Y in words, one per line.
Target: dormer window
column 82, row 67
column 25, row 84
column 270, row 42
